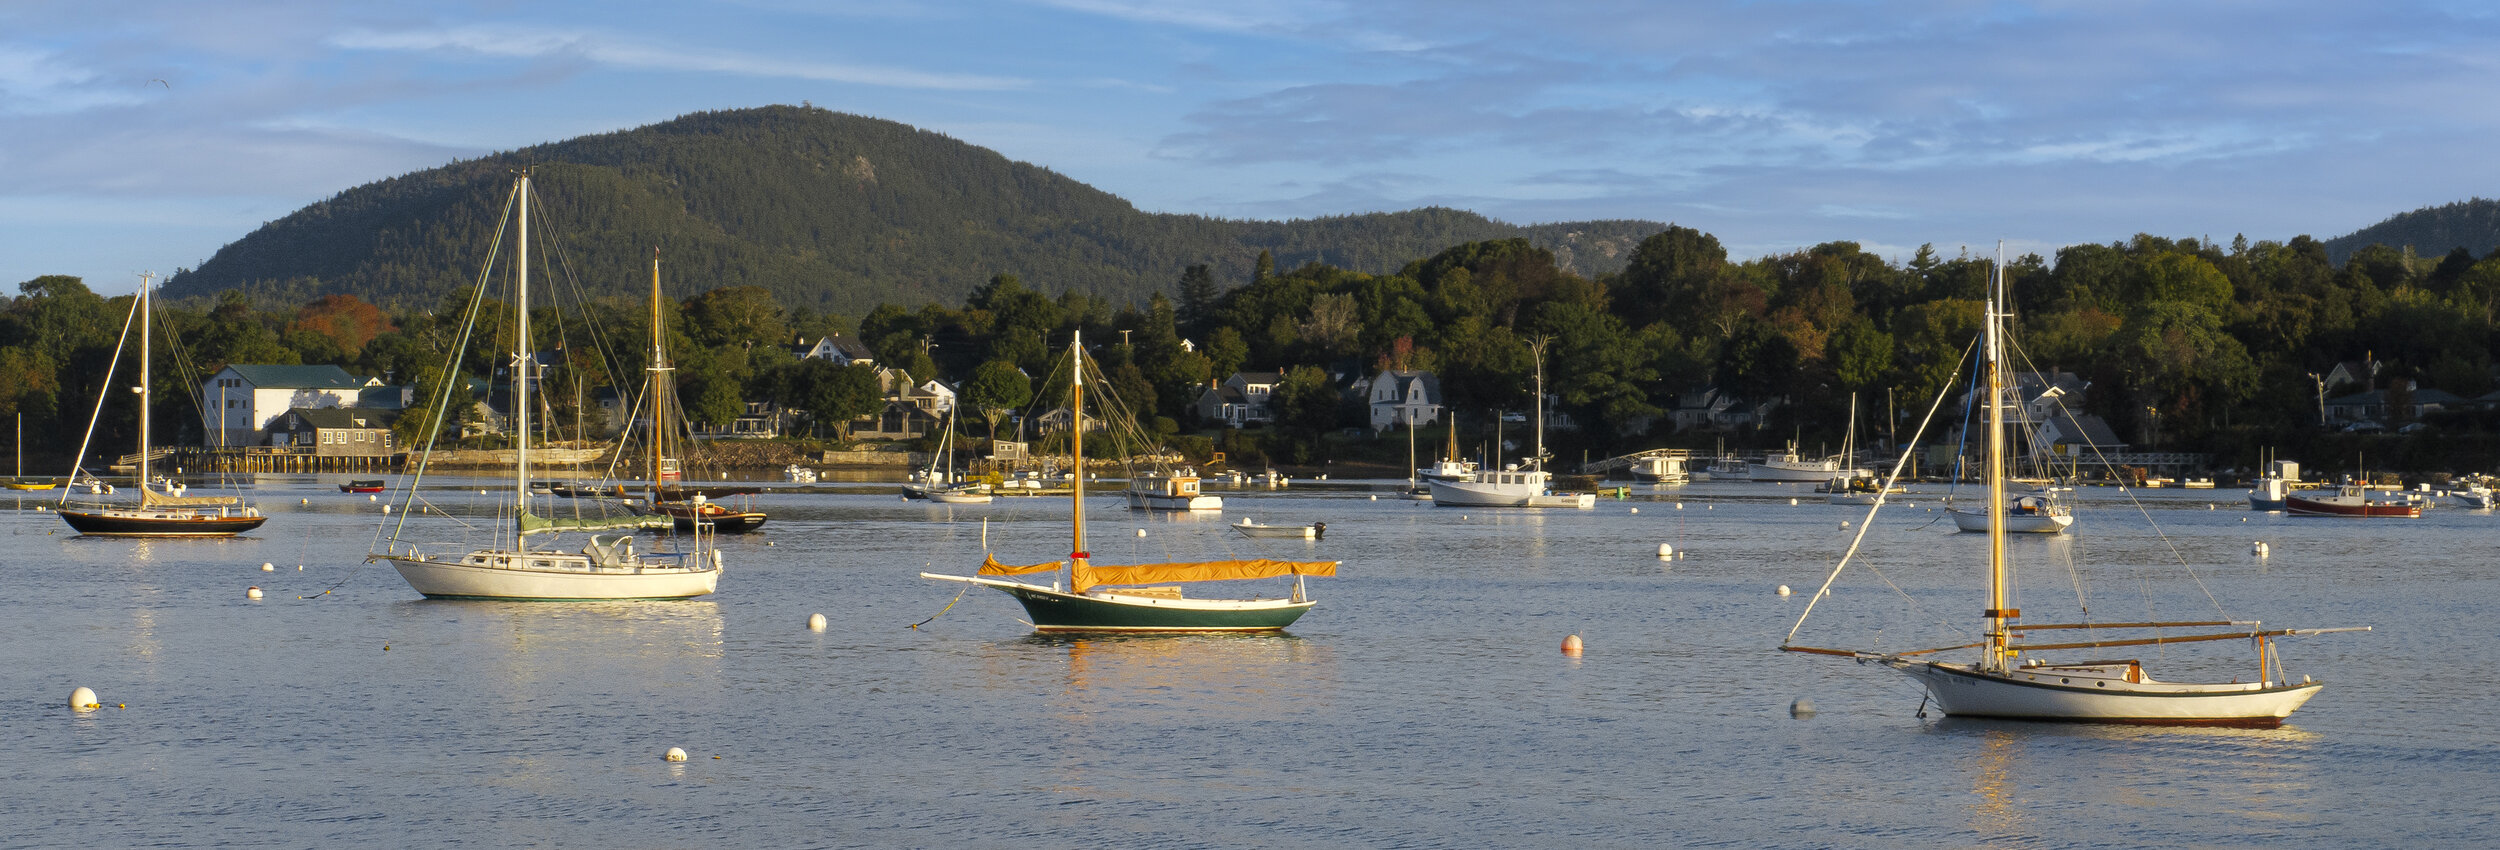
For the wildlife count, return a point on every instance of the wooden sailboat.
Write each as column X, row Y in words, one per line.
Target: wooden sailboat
column 689, row 508
column 516, row 565
column 1526, row 485
column 1102, row 597
column 158, row 514
column 2002, row 683
column 18, row 481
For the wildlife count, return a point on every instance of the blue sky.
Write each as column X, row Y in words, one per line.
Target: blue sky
column 145, row 135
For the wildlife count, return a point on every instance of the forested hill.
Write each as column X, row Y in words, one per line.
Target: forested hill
column 2430, row 231
column 825, row 210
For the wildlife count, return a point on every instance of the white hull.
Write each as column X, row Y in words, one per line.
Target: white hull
column 549, row 576
column 1252, row 529
column 1476, row 494
column 945, row 497
column 1784, row 471
column 1977, row 521
column 2103, row 693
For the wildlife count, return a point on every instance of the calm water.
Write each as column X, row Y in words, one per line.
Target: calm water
column 1422, row 704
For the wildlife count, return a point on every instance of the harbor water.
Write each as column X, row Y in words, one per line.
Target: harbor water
column 1423, row 703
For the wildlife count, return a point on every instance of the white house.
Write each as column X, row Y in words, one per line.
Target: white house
column 1404, row 398
column 839, row 348
column 243, row 399
column 1243, row 399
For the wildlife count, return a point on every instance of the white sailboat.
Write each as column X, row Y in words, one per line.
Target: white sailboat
column 521, row 563
column 2003, row 683
column 1522, row 485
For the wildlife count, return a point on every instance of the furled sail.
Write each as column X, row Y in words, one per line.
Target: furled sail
column 1088, row 575
column 991, row 567
column 535, row 524
column 148, row 497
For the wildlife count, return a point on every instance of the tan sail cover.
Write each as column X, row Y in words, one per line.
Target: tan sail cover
column 991, row 567
column 535, row 524
column 1089, row 576
column 149, row 498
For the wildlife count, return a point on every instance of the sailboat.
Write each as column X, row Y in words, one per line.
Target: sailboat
column 2041, row 509
column 18, row 481
column 1450, row 467
column 2003, row 683
column 157, row 514
column 1853, row 486
column 1101, row 597
column 515, row 565
column 687, row 507
column 1525, row 485
column 942, row 466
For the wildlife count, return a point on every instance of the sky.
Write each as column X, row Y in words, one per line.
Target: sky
column 144, row 135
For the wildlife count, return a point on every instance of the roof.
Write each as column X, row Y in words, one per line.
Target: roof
column 2085, row 429
column 1432, row 385
column 1252, row 378
column 344, row 417
column 324, row 377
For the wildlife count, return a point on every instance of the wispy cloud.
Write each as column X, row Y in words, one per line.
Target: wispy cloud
column 636, row 54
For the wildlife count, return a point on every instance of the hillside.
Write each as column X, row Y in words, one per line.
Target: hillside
column 832, row 211
column 2431, row 231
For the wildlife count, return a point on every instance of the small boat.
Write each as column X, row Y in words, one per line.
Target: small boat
column 1170, row 490
column 513, row 566
column 2349, row 500
column 1252, row 528
column 960, row 496
column 2474, row 495
column 1514, row 486
column 1663, row 466
column 2040, row 511
column 364, row 485
column 158, row 514
column 18, row 481
column 1107, row 598
column 2001, row 683
column 1787, row 466
column 686, row 515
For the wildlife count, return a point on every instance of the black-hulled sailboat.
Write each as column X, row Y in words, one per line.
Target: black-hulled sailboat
column 1109, row 598
column 157, row 514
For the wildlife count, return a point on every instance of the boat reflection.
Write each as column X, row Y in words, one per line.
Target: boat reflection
column 1243, row 677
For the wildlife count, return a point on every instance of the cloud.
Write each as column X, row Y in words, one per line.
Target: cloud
column 504, row 42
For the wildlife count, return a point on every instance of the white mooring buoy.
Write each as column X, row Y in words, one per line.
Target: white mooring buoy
column 1141, row 532
column 1783, row 590
column 1802, row 708
column 386, row 509
column 1636, row 510
column 252, row 592
column 1666, row 550
column 816, row 622
column 1571, row 646
column 268, row 567
column 674, row 754
column 1792, row 503
column 82, row 699
column 1679, row 506
column 1844, row 525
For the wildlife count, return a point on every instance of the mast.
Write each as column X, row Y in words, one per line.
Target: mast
column 521, row 370
column 1077, row 557
column 145, row 278
column 1538, row 348
column 1998, row 615
column 659, row 383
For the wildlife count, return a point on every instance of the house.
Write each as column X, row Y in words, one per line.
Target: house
column 910, row 411
column 1712, row 409
column 1246, row 398
column 336, row 431
column 244, row 399
column 839, row 348
column 763, row 420
column 1397, row 397
column 2352, row 376
column 2387, row 406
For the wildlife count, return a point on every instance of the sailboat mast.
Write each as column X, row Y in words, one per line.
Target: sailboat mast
column 660, row 383
column 1539, row 402
column 1076, row 442
column 521, row 367
column 1997, row 613
column 144, row 378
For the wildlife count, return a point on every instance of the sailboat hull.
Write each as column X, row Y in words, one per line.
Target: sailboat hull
column 1114, row 611
column 1977, row 522
column 566, row 579
column 2051, row 694
column 115, row 523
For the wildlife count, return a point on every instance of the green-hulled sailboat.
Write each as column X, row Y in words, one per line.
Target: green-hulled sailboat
column 1114, row 598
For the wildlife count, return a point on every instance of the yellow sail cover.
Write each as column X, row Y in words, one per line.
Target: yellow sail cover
column 991, row 567
column 1088, row 575
column 148, row 497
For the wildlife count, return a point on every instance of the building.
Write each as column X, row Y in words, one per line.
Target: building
column 1398, row 397
column 910, row 410
column 1246, row 398
column 839, row 348
column 2390, row 406
column 243, row 400
column 336, row 431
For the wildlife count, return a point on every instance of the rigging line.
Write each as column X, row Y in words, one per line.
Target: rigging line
column 1889, row 482
column 451, row 366
column 77, row 464
column 2169, row 545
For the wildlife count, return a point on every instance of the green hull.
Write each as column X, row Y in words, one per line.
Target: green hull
column 1056, row 611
